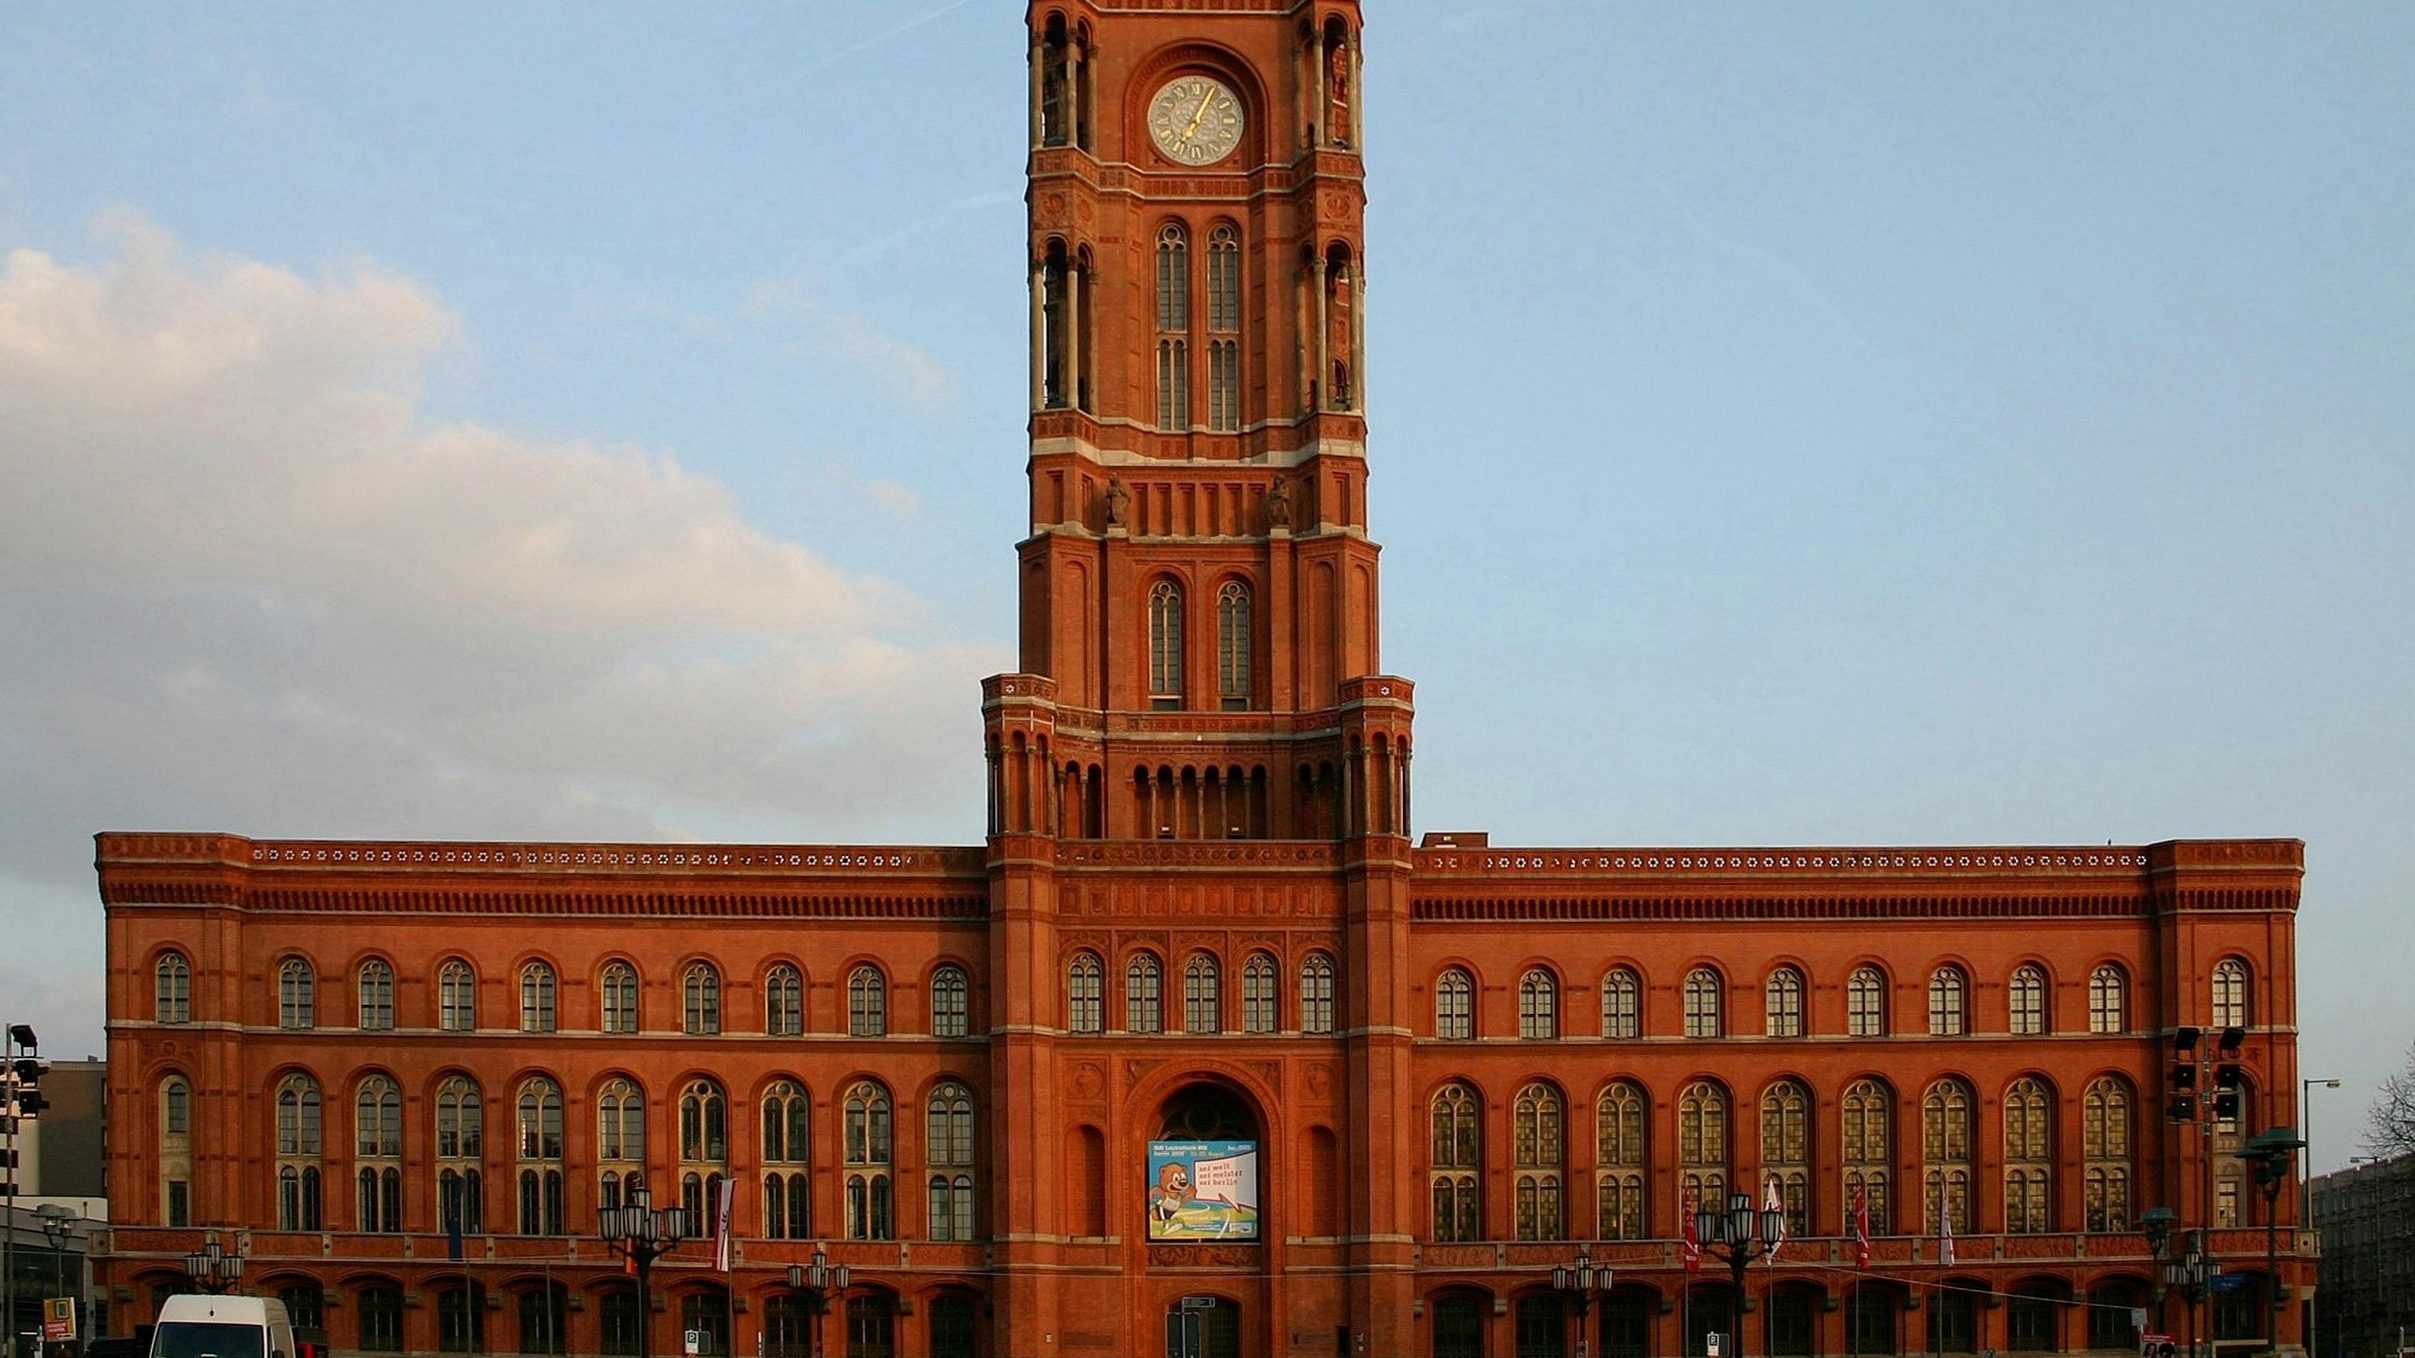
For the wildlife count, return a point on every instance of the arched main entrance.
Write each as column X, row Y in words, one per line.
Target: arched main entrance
column 1203, row 1327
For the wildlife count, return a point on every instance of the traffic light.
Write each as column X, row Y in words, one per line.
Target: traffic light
column 21, row 1086
column 2226, row 1104
column 2184, row 1077
column 2183, row 1108
column 2228, row 1075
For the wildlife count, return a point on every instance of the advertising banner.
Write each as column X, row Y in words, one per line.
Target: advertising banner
column 1203, row 1190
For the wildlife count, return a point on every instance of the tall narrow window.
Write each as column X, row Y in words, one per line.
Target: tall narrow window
column 1702, row 1143
column 948, row 1146
column 1786, row 1150
column 2028, row 1158
column 1224, row 329
column 173, row 1152
column 1618, row 1125
column 1538, row 1152
column 374, row 992
column 460, row 1156
column 1949, row 1003
column 2108, row 1000
column 456, row 997
column 172, row 989
column 1260, row 995
column 700, row 1000
column 1085, row 994
column 2105, row 1153
column 620, row 998
column 951, row 1004
column 867, row 1002
column 2230, row 993
column 1622, row 1005
column 1538, row 1005
column 1173, row 328
column 1945, row 1154
column 1316, row 994
column 1201, row 995
column 1143, row 1003
column 784, row 1002
column 1782, row 1003
column 1065, row 310
column 1703, row 1004
column 620, row 1146
column 2026, row 999
column 377, row 1154
column 1454, row 1006
column 537, row 1000
column 787, row 1162
column 1866, row 1003
column 1868, row 1109
column 870, row 1214
column 537, row 1122
column 297, row 995
column 1232, row 646
column 299, row 1146
column 1458, row 1165
column 1165, row 645
column 704, row 1148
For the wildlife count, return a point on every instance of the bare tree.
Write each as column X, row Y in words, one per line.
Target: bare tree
column 2390, row 1126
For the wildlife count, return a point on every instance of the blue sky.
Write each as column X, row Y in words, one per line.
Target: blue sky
column 1896, row 423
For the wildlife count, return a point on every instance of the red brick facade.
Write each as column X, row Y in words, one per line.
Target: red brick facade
column 944, row 1066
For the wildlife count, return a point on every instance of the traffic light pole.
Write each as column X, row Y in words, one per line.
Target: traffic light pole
column 20, row 1097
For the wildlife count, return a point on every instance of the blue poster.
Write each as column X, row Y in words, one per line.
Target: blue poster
column 1203, row 1190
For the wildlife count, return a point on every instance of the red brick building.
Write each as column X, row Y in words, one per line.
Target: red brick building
column 1198, row 1052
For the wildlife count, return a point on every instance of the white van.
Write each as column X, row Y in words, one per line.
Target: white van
column 223, row 1327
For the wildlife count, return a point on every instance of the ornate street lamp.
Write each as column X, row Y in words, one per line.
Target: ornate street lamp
column 820, row 1283
column 1581, row 1280
column 640, row 1232
column 1732, row 1236
column 2272, row 1152
column 212, row 1269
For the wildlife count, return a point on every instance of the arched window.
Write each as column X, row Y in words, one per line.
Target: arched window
column 700, row 1000
column 456, row 997
column 1945, row 1156
column 1702, row 1144
column 1143, row 1002
column 1173, row 328
column 1618, row 1125
column 948, row 1146
column 1622, row 1005
column 1085, row 992
column 297, row 995
column 1202, row 992
column 951, row 1011
column 620, row 998
column 1232, row 646
column 2105, row 1153
column 1538, row 1005
column 1869, row 1143
column 704, row 1148
column 1782, row 1003
column 2108, row 1000
column 1866, row 1003
column 1260, row 995
column 2028, row 1158
column 2230, row 1008
column 1165, row 645
column 1316, row 994
column 1703, row 1004
column 377, row 1154
column 620, row 1125
column 1949, row 1003
column 1536, row 1121
column 538, row 1122
column 1224, row 329
column 374, row 991
column 788, row 1158
column 299, row 1146
column 867, row 1002
column 784, row 1002
column 537, row 1003
column 868, row 1164
column 2026, row 998
column 1063, row 98
column 173, row 1153
column 1454, row 1006
column 460, row 1156
column 172, row 989
column 176, row 1108
column 1458, row 1165
column 1786, row 1150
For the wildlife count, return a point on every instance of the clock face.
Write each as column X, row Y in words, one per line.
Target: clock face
column 1195, row 120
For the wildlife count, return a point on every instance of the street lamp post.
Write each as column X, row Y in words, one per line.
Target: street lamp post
column 1580, row 1280
column 212, row 1268
column 2271, row 1152
column 2306, row 1090
column 819, row 1282
column 2185, row 1275
column 57, row 1224
column 641, row 1233
column 2156, row 1224
column 1738, row 1236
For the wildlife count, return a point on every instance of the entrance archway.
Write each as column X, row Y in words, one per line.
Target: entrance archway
column 1203, row 1327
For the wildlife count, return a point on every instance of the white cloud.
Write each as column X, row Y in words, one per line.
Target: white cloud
column 905, row 371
